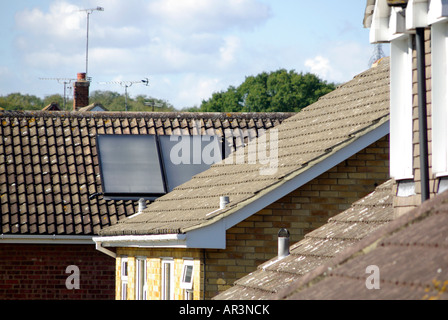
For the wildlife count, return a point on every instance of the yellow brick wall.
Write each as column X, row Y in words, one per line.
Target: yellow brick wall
column 154, row 259
column 254, row 240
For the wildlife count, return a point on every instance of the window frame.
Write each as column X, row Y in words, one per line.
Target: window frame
column 124, row 278
column 184, row 284
column 167, row 293
column 141, row 281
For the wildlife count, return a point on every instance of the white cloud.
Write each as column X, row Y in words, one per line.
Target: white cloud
column 319, row 66
column 200, row 16
column 342, row 61
column 62, row 20
column 195, row 88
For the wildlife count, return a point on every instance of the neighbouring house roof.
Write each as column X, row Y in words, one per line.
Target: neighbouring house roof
column 93, row 107
column 49, row 168
column 370, row 6
column 317, row 248
column 52, row 107
column 319, row 137
column 410, row 254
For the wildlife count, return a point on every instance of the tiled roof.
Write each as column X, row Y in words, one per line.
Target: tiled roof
column 410, row 254
column 317, row 132
column 49, row 166
column 317, row 248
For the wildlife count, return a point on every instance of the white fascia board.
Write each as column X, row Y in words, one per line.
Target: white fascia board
column 213, row 235
column 143, row 241
column 45, row 239
column 401, row 147
column 439, row 100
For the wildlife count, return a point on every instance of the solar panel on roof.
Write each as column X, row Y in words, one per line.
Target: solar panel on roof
column 130, row 166
column 185, row 156
column 148, row 166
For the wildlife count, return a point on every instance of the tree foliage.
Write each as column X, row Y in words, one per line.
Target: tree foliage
column 112, row 101
column 279, row 91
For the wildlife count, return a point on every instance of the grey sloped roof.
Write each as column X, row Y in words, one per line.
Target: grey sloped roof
column 410, row 253
column 315, row 133
column 317, row 248
column 49, row 166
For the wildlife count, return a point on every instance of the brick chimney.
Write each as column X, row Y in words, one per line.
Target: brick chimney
column 80, row 92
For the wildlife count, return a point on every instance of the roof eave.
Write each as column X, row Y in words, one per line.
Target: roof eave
column 212, row 233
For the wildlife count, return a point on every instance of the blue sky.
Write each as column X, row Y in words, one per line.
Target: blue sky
column 187, row 48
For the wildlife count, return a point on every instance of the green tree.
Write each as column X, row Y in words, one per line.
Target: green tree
column 278, row 91
column 114, row 101
column 56, row 98
column 18, row 101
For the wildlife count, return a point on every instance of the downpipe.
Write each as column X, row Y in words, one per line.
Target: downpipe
column 422, row 113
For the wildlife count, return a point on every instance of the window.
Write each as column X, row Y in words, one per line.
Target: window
column 141, row 286
column 124, row 278
column 187, row 275
column 406, row 188
column 439, row 72
column 167, row 279
column 443, row 185
column 401, row 149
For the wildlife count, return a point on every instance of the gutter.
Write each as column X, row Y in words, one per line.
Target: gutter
column 140, row 241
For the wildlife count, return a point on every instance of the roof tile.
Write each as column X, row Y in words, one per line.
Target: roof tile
column 317, row 248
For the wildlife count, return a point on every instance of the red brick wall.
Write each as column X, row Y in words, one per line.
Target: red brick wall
column 33, row 271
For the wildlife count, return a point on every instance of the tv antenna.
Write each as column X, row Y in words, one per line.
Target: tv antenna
column 377, row 54
column 126, row 85
column 65, row 82
column 154, row 104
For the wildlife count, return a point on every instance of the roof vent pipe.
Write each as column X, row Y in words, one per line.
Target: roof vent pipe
column 223, row 201
column 283, row 243
column 141, row 205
